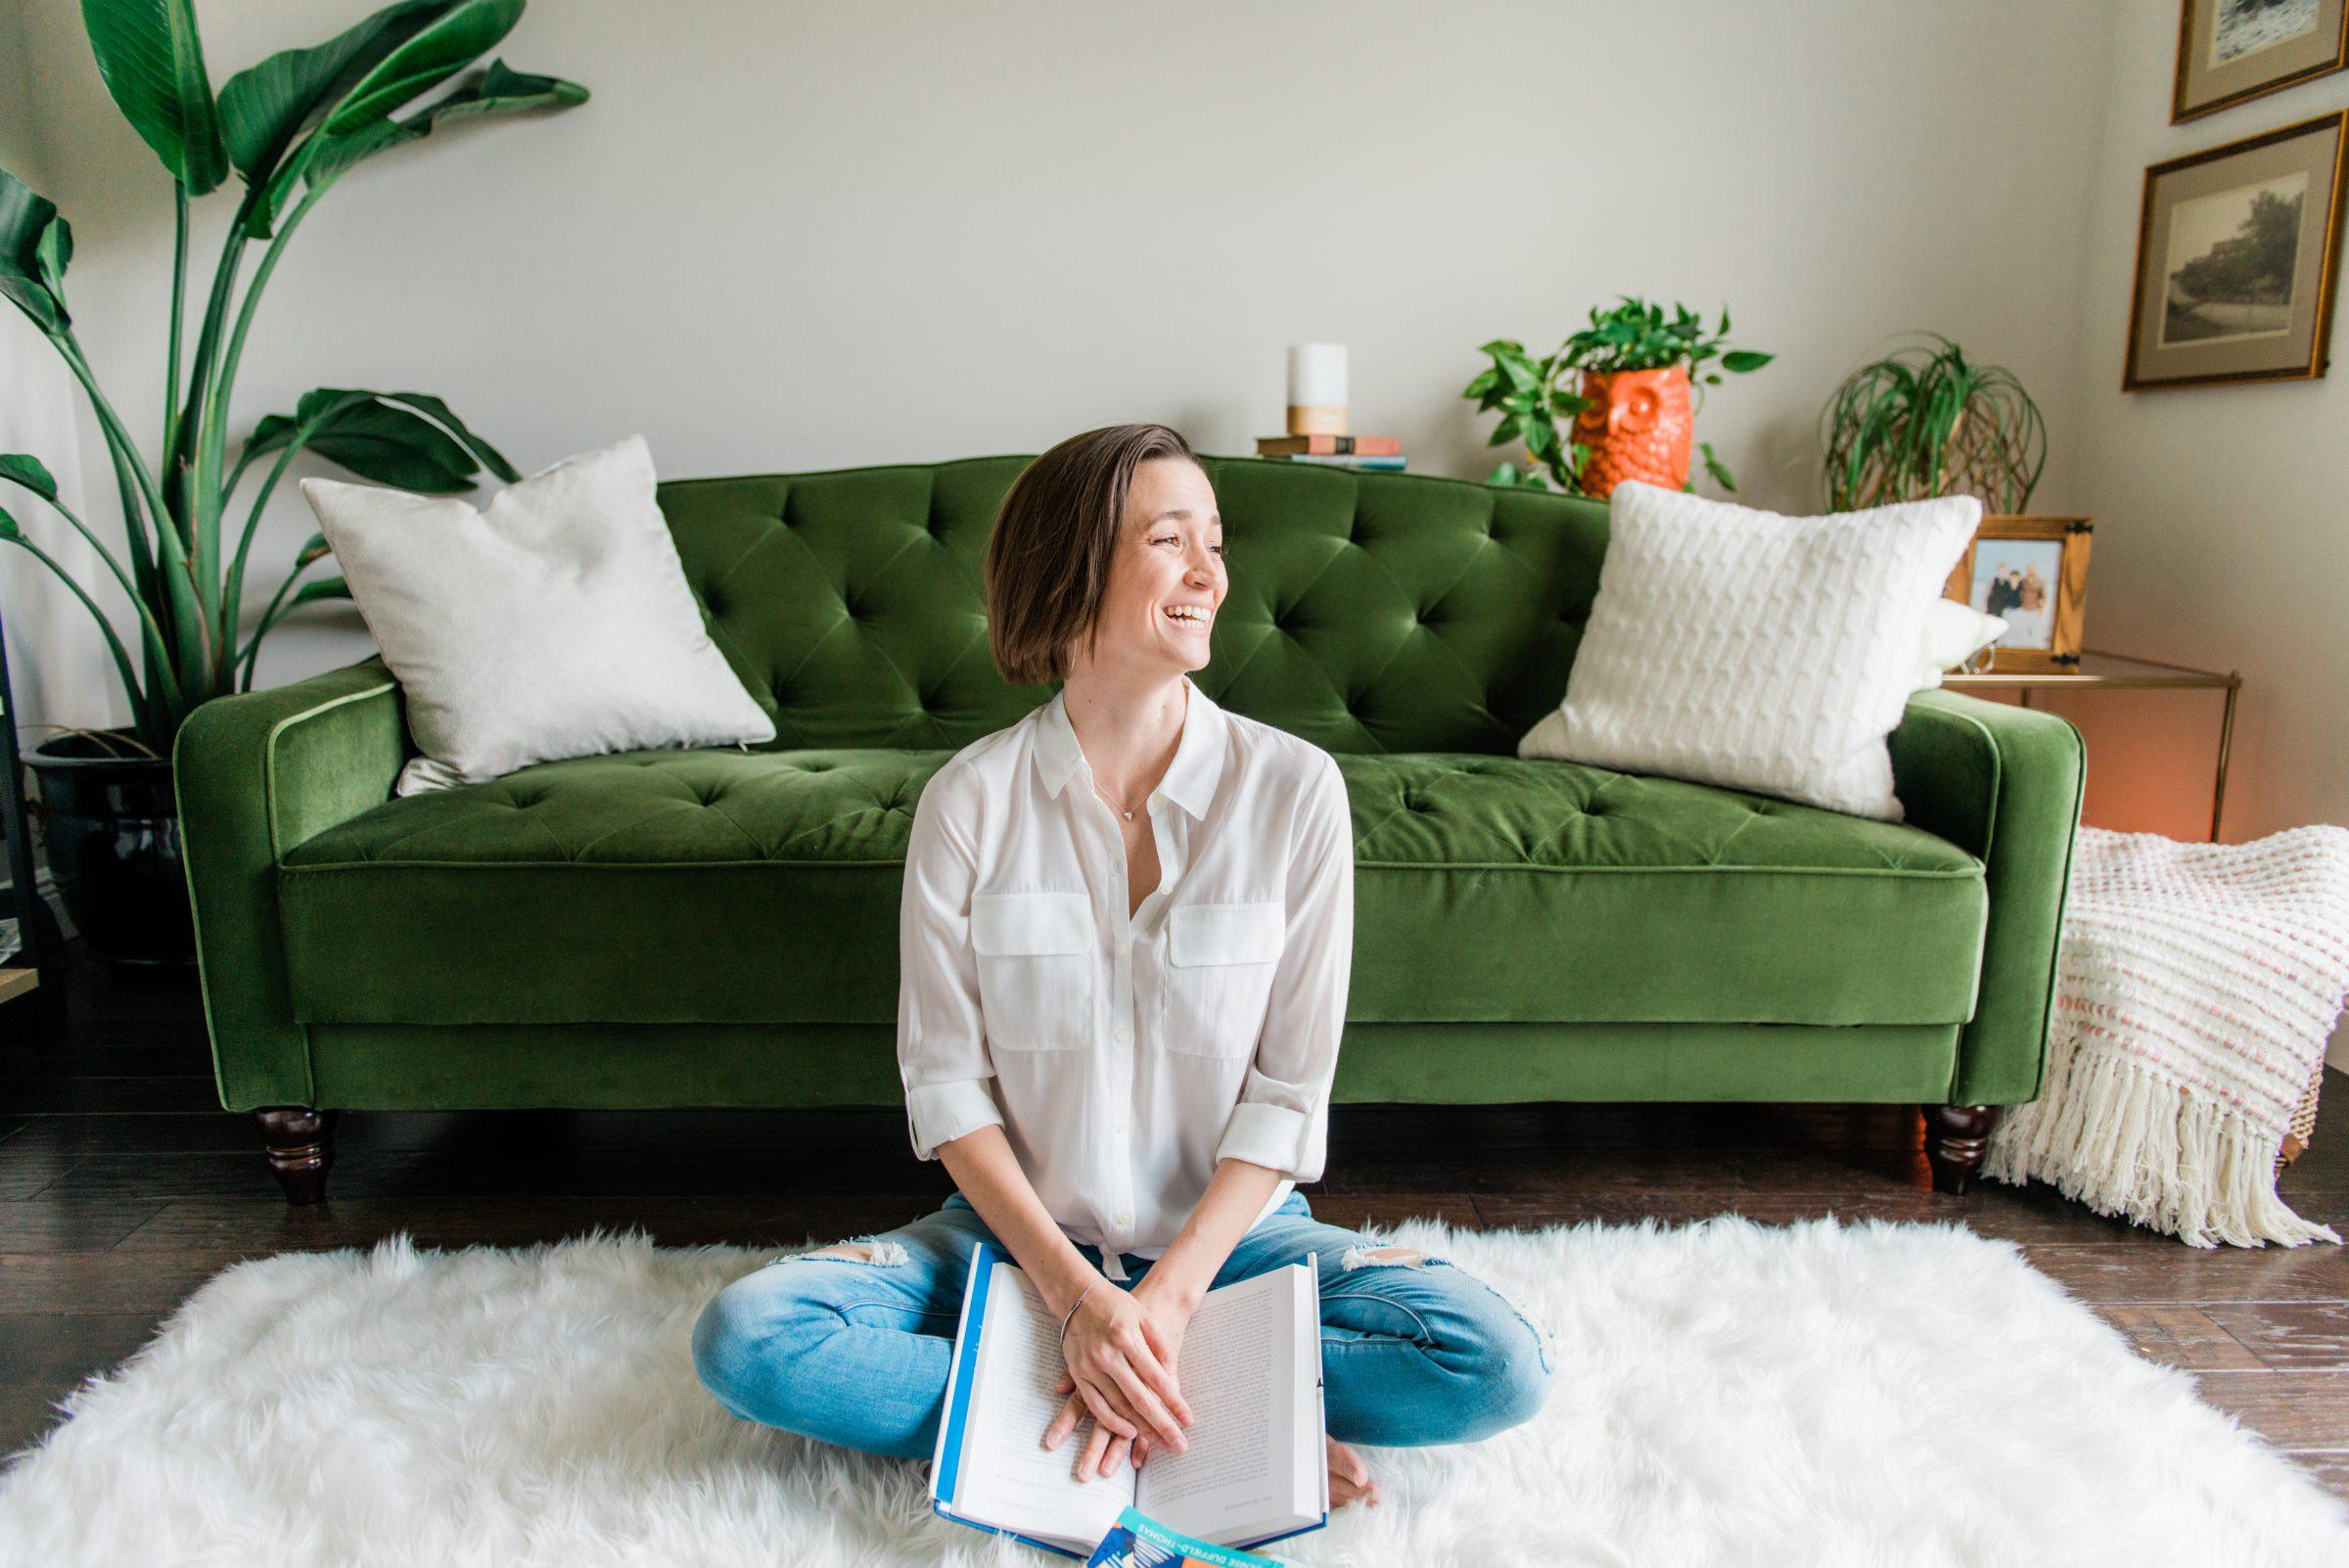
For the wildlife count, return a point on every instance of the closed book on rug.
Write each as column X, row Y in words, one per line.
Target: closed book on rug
column 1137, row 1541
column 1257, row 1468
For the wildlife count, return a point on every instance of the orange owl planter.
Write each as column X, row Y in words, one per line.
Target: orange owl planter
column 1640, row 425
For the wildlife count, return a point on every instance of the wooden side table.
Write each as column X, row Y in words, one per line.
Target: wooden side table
column 2118, row 672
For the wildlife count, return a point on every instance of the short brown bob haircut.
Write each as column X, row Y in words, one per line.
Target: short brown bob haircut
column 1047, row 561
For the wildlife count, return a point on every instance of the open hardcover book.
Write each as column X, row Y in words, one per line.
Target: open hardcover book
column 1258, row 1466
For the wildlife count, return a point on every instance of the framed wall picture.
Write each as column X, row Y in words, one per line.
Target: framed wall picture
column 2031, row 572
column 2230, row 49
column 2237, row 248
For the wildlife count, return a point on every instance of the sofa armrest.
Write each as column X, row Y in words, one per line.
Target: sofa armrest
column 257, row 775
column 2002, row 783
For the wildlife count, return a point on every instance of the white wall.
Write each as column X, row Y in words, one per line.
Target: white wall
column 812, row 235
column 2227, row 533
column 2222, row 532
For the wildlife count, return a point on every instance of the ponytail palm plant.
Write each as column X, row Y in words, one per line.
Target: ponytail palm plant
column 1927, row 421
column 290, row 128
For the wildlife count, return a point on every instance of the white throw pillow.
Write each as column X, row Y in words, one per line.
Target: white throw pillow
column 1954, row 633
column 554, row 622
column 1740, row 648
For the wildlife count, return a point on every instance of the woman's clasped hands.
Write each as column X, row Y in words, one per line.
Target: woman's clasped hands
column 1120, row 1349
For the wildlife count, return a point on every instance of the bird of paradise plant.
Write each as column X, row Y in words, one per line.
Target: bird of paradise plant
column 291, row 128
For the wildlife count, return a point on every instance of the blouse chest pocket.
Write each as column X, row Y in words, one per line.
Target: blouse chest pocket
column 1036, row 969
column 1220, row 959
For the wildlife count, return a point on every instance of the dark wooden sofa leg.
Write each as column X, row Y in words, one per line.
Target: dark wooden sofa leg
column 1956, row 1138
column 301, row 1144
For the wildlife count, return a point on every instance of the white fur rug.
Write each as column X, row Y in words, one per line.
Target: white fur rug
column 1729, row 1394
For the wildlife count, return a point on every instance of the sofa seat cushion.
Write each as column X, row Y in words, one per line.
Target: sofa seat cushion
column 762, row 887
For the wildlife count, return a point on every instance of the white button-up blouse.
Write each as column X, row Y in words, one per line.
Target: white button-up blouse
column 1125, row 1057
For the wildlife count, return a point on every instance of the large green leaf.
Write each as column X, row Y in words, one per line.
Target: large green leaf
column 25, row 218
column 491, row 458
column 501, row 91
column 395, row 447
column 360, row 121
column 385, row 438
column 23, row 468
column 277, row 430
column 333, row 405
column 152, row 61
column 494, row 91
column 426, row 60
column 264, row 109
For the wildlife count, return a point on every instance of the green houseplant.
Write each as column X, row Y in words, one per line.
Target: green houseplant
column 1633, row 416
column 1926, row 421
column 290, row 128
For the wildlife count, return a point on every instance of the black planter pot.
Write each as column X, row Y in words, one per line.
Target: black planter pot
column 113, row 826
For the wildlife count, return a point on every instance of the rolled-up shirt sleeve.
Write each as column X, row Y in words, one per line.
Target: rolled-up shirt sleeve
column 942, row 1058
column 1283, row 1118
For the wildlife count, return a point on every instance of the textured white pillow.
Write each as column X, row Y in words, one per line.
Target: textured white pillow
column 554, row 622
column 1954, row 633
column 1740, row 648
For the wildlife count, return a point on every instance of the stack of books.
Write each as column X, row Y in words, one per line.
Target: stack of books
column 1335, row 451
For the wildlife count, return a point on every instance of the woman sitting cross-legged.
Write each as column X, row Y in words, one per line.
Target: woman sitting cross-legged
column 1126, row 940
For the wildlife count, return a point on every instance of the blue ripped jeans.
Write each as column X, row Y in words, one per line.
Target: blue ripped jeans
column 854, row 1350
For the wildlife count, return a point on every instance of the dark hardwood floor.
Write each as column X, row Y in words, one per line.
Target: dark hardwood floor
column 123, row 1186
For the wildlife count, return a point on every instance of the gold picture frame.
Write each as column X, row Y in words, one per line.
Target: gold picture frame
column 2237, row 248
column 2032, row 572
column 2232, row 51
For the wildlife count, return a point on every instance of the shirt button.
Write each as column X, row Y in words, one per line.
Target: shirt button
column 1122, row 1218
column 1125, row 1036
column 1121, row 1122
column 1124, row 946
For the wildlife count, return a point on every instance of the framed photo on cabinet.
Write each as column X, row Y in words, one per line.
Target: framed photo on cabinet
column 2232, row 50
column 2031, row 572
column 2236, row 252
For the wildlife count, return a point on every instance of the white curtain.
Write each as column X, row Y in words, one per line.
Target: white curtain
column 57, row 662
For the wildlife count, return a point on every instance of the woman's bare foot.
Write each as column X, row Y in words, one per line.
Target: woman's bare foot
column 1349, row 1477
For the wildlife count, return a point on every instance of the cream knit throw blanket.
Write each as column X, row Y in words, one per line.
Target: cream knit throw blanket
column 2195, row 985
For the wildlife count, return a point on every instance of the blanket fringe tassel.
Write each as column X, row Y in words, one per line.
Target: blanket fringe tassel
column 2124, row 1140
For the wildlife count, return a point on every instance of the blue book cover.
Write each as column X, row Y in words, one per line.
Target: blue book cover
column 991, row 1471
column 1137, row 1541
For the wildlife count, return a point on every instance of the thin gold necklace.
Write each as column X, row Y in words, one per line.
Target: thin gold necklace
column 1114, row 805
column 1105, row 795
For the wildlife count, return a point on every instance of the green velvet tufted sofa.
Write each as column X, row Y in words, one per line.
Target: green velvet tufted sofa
column 718, row 927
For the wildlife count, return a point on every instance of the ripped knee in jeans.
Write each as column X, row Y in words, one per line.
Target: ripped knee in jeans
column 1384, row 1257
column 878, row 1251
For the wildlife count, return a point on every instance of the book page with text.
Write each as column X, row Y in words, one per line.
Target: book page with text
column 1238, row 1370
column 1012, row 1479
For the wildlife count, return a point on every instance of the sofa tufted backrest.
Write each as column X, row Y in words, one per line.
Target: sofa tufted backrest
column 1367, row 613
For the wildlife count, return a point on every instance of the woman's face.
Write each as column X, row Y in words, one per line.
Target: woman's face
column 1167, row 580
